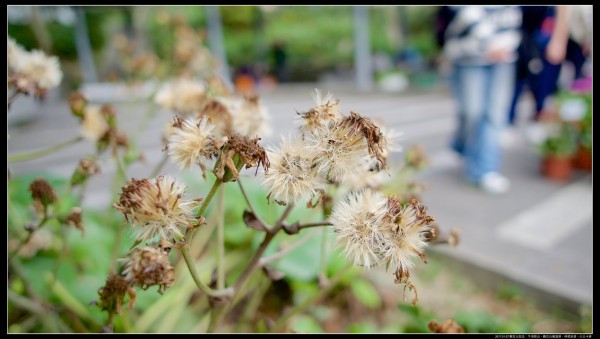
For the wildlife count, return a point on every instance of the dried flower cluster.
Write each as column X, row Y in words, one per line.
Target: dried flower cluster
column 332, row 148
column 374, row 229
column 158, row 207
column 149, row 266
column 31, row 72
column 191, row 140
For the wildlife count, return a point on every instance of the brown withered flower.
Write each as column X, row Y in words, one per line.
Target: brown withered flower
column 42, row 193
column 448, row 326
column 77, row 103
column 113, row 293
column 86, row 168
column 149, row 266
column 239, row 151
column 74, row 219
column 158, row 206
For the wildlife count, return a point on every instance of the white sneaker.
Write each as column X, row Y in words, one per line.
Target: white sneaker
column 494, row 183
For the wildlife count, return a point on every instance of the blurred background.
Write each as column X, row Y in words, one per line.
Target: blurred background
column 524, row 262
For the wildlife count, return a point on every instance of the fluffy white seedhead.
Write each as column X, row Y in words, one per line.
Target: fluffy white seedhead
column 292, row 175
column 183, row 96
column 190, row 140
column 357, row 222
column 93, row 125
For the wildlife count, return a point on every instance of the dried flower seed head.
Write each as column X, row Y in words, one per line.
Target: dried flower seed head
column 376, row 142
column 112, row 294
column 448, row 326
column 217, row 86
column 94, row 125
column 77, row 103
column 357, row 223
column 36, row 71
column 183, row 96
column 250, row 117
column 149, row 266
column 367, row 178
column 42, row 193
column 325, row 112
column 74, row 219
column 338, row 154
column 191, row 140
column 86, row 168
column 292, row 173
column 219, row 116
column 14, row 53
column 405, row 234
column 158, row 206
column 237, row 152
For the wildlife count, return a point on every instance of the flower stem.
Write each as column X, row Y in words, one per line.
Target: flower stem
column 40, row 153
column 208, row 198
column 159, row 166
column 185, row 251
column 247, row 198
column 221, row 240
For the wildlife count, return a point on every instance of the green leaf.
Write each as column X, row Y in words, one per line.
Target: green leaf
column 366, row 293
column 305, row 324
column 362, row 328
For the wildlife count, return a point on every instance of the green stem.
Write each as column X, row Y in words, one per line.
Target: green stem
column 120, row 167
column 250, row 268
column 37, row 154
column 42, row 222
column 208, row 198
column 185, row 251
column 221, row 240
column 312, row 300
column 159, row 166
column 247, row 198
column 266, row 260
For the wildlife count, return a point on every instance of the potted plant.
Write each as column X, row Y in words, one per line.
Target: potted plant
column 557, row 152
column 583, row 155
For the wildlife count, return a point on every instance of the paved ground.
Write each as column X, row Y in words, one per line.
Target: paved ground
column 539, row 235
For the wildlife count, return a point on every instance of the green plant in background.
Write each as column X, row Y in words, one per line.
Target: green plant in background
column 585, row 134
column 561, row 142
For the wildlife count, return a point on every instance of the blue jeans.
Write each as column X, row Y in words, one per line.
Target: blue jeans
column 483, row 94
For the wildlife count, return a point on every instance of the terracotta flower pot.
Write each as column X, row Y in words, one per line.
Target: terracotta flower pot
column 557, row 168
column 583, row 159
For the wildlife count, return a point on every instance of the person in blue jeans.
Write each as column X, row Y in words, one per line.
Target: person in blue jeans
column 481, row 43
column 543, row 48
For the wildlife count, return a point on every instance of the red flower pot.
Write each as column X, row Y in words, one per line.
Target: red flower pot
column 583, row 159
column 557, row 168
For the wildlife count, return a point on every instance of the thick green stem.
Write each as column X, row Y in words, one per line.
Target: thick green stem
column 37, row 154
column 312, row 300
column 208, row 198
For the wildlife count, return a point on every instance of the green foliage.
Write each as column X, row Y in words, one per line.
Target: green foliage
column 366, row 293
column 305, row 324
column 416, row 320
column 63, row 36
column 509, row 292
column 562, row 144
